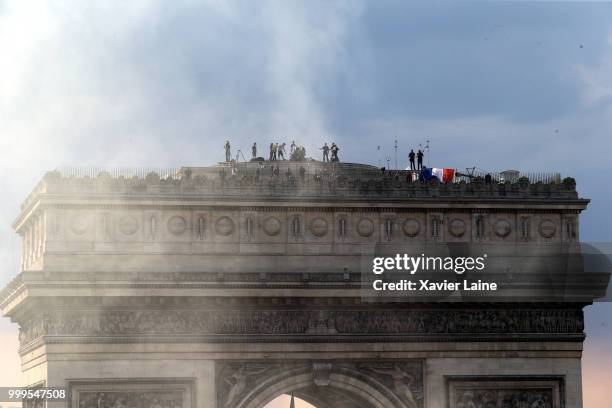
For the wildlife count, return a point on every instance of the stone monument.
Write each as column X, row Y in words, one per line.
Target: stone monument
column 189, row 289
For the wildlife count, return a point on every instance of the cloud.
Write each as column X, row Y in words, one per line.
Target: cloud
column 150, row 83
column 597, row 82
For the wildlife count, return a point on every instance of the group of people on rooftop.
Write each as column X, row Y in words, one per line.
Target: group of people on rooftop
column 277, row 152
column 419, row 156
column 334, row 152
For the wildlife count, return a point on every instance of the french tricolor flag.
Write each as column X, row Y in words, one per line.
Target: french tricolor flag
column 444, row 175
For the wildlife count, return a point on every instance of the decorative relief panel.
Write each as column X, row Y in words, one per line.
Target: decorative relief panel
column 224, row 226
column 411, row 227
column 177, row 225
column 171, row 393
column 201, row 227
column 272, row 226
column 365, row 227
column 274, row 322
column 79, row 224
column 152, row 225
column 502, row 228
column 480, row 225
column 318, row 227
column 342, row 226
column 547, row 228
column 457, row 227
column 128, row 224
column 497, row 392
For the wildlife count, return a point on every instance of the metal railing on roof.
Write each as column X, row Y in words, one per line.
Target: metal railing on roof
column 501, row 177
column 120, row 172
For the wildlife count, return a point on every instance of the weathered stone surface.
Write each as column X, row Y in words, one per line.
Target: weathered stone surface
column 230, row 290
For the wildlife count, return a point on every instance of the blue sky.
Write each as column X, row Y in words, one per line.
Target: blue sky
column 497, row 85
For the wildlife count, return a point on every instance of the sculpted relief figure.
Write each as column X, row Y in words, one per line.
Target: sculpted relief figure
column 401, row 383
column 238, row 380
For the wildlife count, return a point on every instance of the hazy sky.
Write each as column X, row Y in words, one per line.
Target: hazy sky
column 496, row 85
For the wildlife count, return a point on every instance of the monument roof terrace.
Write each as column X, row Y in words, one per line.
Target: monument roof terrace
column 296, row 180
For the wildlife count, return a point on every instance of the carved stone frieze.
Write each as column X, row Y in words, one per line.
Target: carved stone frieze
column 500, row 392
column 302, row 322
column 133, row 393
column 131, row 399
column 485, row 398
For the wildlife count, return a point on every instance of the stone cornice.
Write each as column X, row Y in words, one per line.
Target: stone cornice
column 332, row 183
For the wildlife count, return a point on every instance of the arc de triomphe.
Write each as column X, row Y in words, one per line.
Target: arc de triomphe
column 203, row 288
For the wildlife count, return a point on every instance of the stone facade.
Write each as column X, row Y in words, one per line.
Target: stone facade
column 198, row 288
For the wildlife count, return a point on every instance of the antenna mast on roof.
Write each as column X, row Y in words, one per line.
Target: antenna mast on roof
column 395, row 147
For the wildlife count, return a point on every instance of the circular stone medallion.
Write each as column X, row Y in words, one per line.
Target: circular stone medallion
column 318, row 227
column 224, row 226
column 456, row 227
column 177, row 225
column 547, row 228
column 502, row 228
column 272, row 226
column 411, row 227
column 128, row 224
column 365, row 227
column 80, row 224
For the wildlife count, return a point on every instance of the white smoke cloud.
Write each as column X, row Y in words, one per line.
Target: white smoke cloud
column 88, row 84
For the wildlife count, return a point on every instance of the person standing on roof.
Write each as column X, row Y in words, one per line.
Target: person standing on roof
column 420, row 159
column 228, row 151
column 411, row 157
column 281, row 151
column 325, row 149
